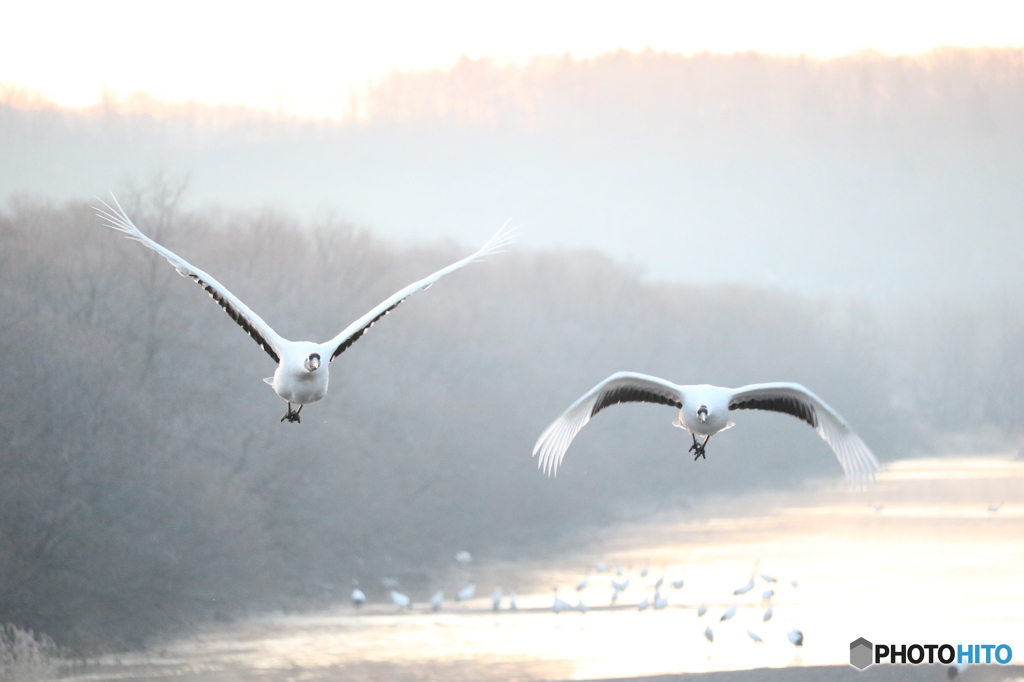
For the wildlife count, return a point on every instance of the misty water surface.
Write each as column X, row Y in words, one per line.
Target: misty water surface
column 918, row 558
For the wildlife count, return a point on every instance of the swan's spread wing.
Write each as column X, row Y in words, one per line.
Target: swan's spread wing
column 855, row 457
column 249, row 321
column 622, row 387
column 340, row 343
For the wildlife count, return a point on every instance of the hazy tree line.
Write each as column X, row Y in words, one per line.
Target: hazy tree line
column 619, row 94
column 622, row 94
column 864, row 175
column 624, row 107
column 146, row 482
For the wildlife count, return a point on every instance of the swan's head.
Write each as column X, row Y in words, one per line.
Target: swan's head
column 702, row 413
column 312, row 363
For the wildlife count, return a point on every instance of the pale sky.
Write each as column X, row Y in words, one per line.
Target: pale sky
column 308, row 58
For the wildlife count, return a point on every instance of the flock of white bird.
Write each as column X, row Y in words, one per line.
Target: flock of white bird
column 658, row 600
column 403, row 601
column 619, row 582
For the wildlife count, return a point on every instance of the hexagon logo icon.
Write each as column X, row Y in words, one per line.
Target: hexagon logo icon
column 861, row 653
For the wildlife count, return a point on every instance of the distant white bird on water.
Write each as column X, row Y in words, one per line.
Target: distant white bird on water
column 466, row 593
column 678, row 584
column 660, row 601
column 401, row 601
column 769, row 578
column 708, row 634
column 560, row 604
column 601, row 567
column 746, row 588
column 463, row 557
column 767, row 614
column 767, row 595
column 581, row 607
column 581, row 585
column 729, row 613
column 621, row 585
column 302, row 373
column 701, row 610
column 993, row 508
column 704, row 411
column 795, row 637
column 496, row 599
column 437, row 600
column 358, row 597
column 642, row 606
column 754, row 636
column 512, row 598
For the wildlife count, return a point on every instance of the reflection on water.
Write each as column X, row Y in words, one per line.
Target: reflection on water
column 918, row 558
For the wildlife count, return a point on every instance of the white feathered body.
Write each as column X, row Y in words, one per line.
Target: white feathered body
column 716, row 399
column 292, row 381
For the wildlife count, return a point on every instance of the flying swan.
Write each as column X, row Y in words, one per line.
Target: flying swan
column 704, row 411
column 301, row 377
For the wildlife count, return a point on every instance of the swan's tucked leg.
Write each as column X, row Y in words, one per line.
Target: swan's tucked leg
column 698, row 448
column 292, row 415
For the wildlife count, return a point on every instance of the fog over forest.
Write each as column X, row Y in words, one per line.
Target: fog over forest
column 885, row 177
column 684, row 217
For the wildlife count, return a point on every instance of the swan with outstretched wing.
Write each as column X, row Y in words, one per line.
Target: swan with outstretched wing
column 302, row 366
column 704, row 411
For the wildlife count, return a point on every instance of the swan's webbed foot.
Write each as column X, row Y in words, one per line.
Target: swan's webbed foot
column 292, row 415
